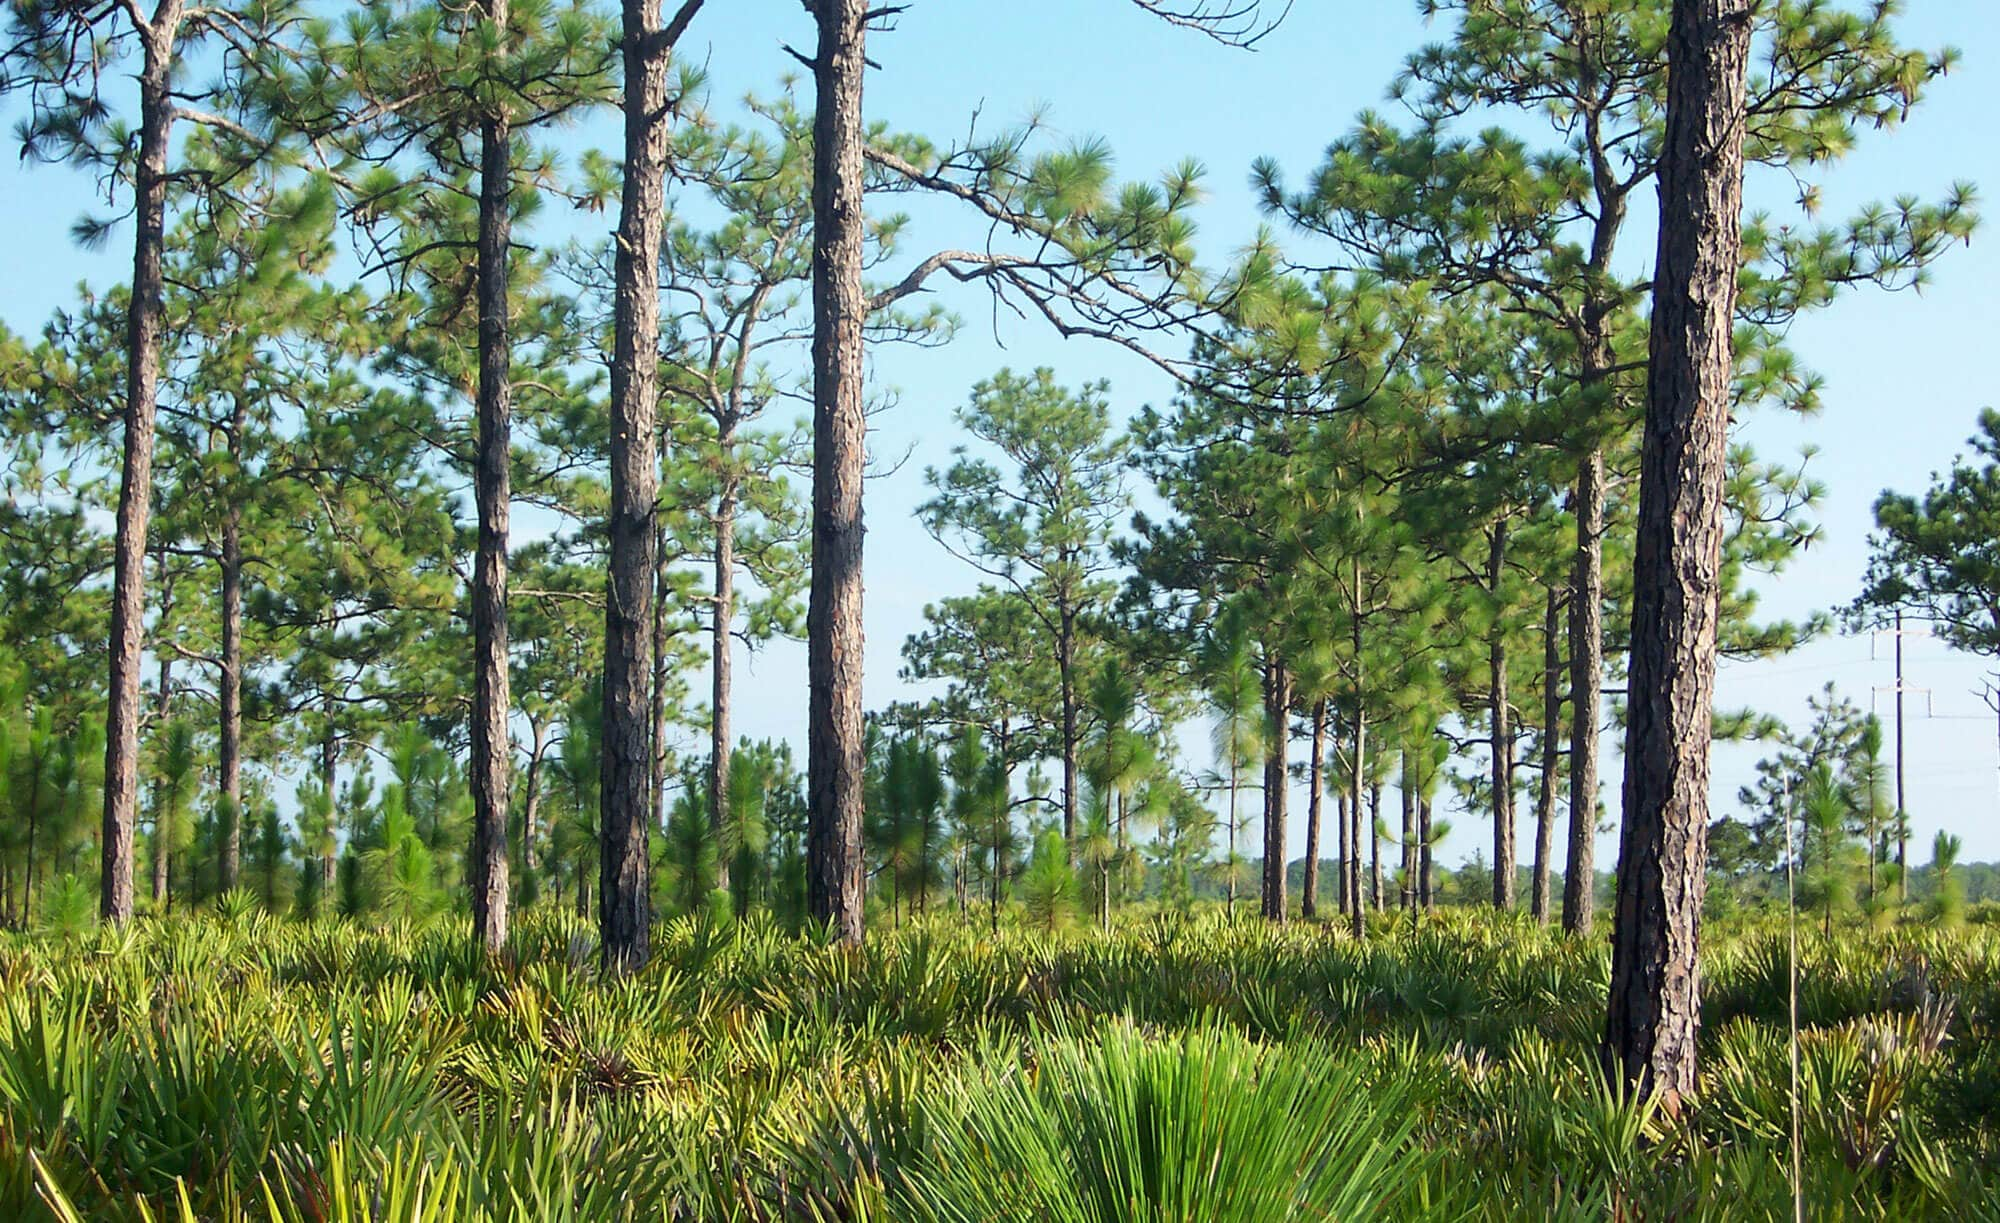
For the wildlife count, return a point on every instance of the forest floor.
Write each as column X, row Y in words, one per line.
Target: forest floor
column 1178, row 1068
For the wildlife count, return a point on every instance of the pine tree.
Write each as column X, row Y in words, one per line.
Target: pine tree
column 652, row 102
column 1543, row 225
column 1081, row 255
column 59, row 57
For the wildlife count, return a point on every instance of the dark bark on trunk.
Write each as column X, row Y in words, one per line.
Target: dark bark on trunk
column 1545, row 804
column 724, row 611
column 663, row 564
column 1603, row 297
column 1410, row 836
column 834, row 628
column 1344, row 833
column 1358, row 762
column 1277, row 707
column 1375, row 846
column 135, row 486
column 34, row 807
column 1426, row 889
column 1499, row 714
column 1586, row 651
column 1315, row 801
column 162, row 862
column 1229, row 884
column 329, row 764
column 626, row 799
column 531, row 800
column 1071, row 736
column 229, row 684
column 996, row 865
column 1356, row 902
column 491, row 761
column 1654, row 1008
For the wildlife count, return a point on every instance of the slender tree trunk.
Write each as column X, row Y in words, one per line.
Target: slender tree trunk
column 1343, row 891
column 1002, row 817
column 160, row 852
column 135, row 486
column 626, row 801
column 1426, row 889
column 531, row 800
column 724, row 612
column 1499, row 714
column 492, row 745
column 162, row 712
column 1872, row 835
column 38, row 754
column 1229, row 884
column 1545, row 804
column 329, row 763
column 1410, row 836
column 1586, row 682
column 663, row 565
column 1654, row 1007
column 835, row 767
column 229, row 684
column 1315, row 800
column 1603, row 298
column 1354, row 812
column 1071, row 736
column 1375, row 845
column 1277, row 705
column 1359, row 761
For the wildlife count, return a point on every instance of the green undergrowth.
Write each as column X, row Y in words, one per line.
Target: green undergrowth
column 244, row 1067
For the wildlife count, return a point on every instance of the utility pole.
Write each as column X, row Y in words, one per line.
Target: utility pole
column 1899, row 688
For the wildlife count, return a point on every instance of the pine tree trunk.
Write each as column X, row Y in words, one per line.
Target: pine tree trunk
column 724, row 612
column 135, row 485
column 1315, row 800
column 662, row 680
column 229, row 684
column 626, row 799
column 1586, row 682
column 1603, row 298
column 531, row 801
column 1343, row 893
column 36, row 758
column 1356, row 902
column 1071, row 736
column 1545, row 805
column 163, row 712
column 1654, row 1007
column 1426, row 889
column 1277, row 704
column 329, row 763
column 1229, row 884
column 1375, row 846
column 1410, row 836
column 490, row 767
column 1499, row 715
column 835, row 782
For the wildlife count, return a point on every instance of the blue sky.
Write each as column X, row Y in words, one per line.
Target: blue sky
column 1902, row 370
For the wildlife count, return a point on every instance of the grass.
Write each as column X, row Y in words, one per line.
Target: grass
column 227, row 1067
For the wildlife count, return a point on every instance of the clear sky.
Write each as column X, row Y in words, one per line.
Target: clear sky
column 1903, row 370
